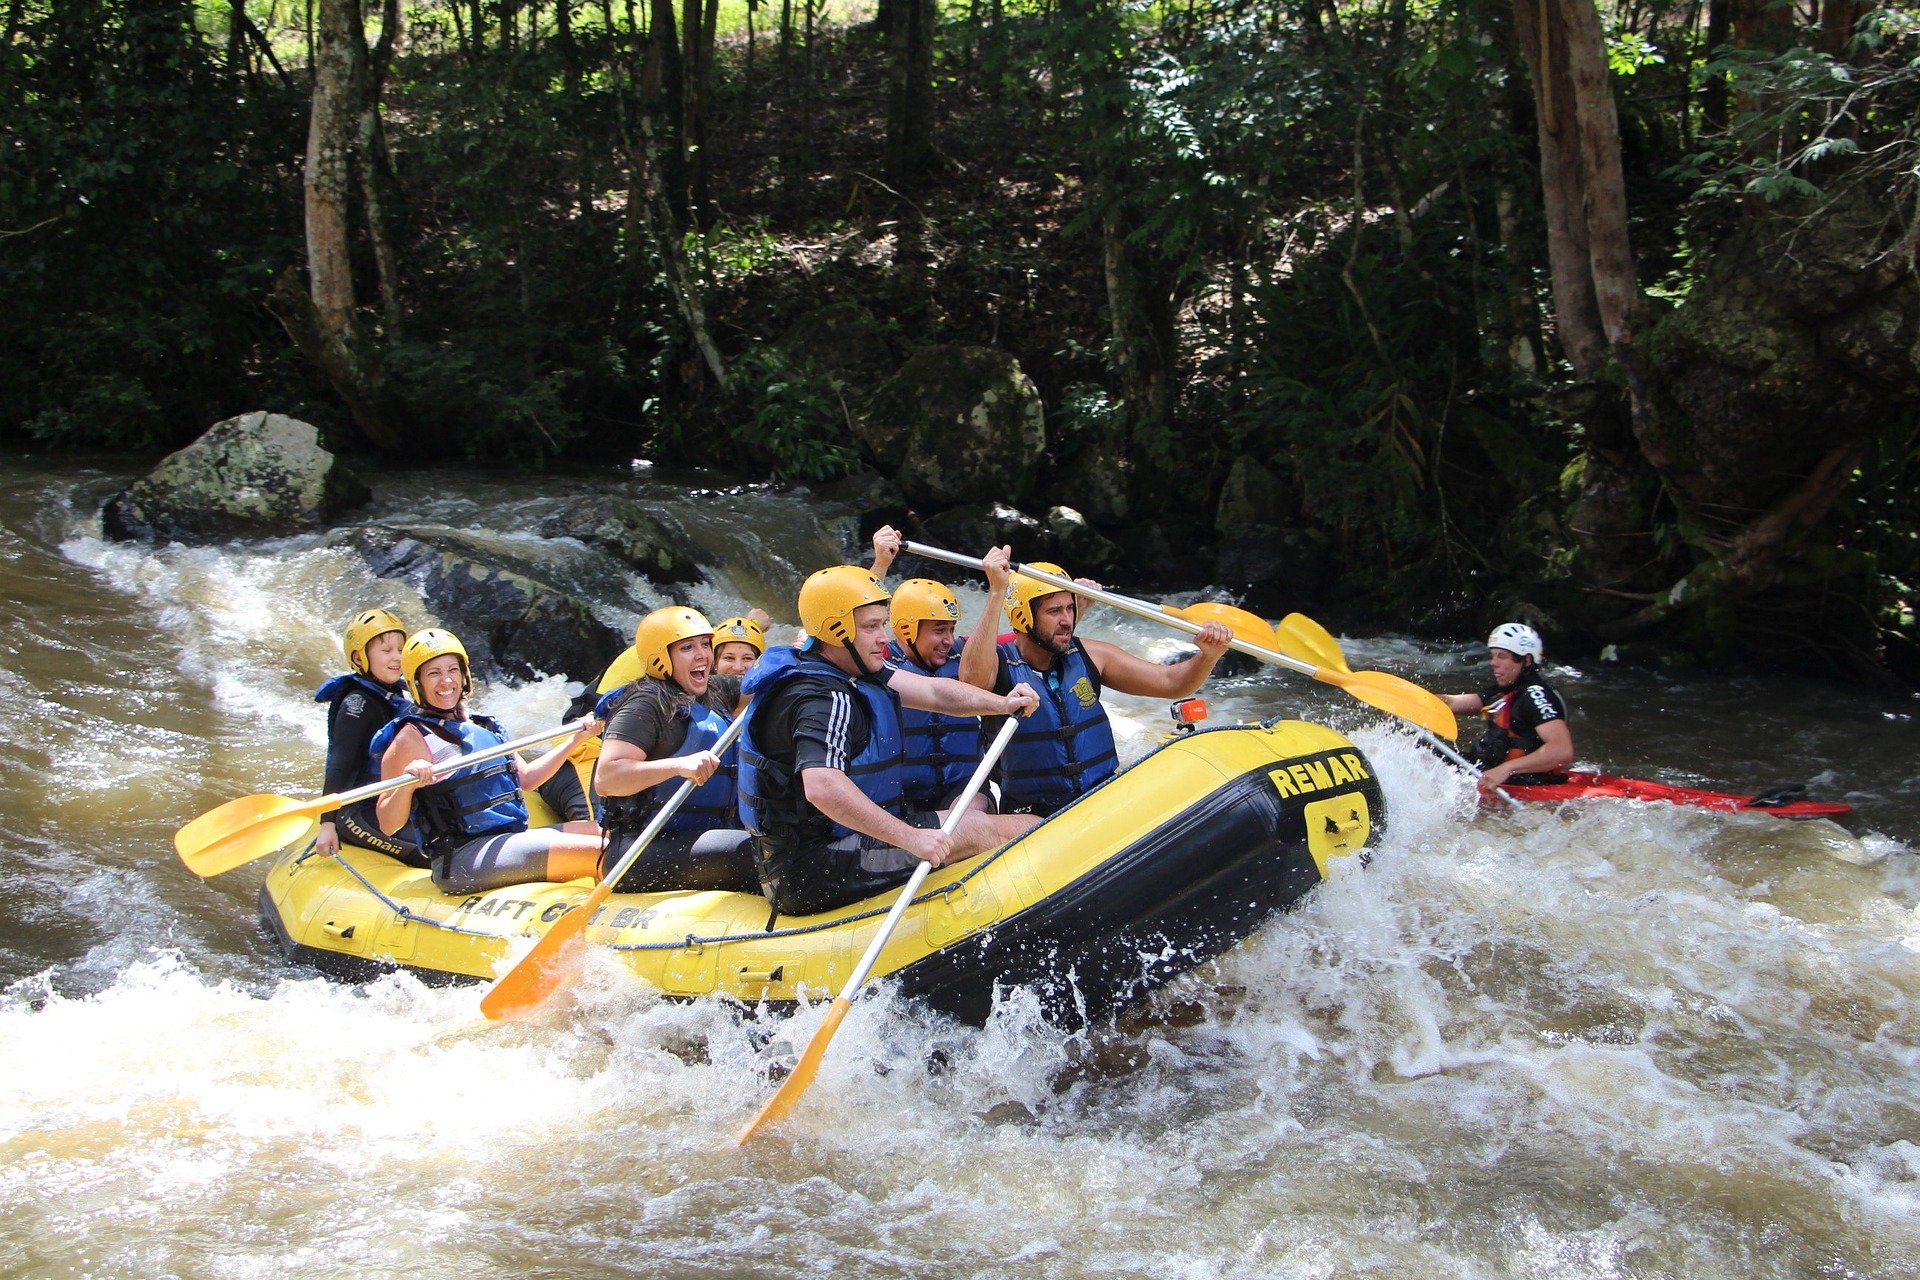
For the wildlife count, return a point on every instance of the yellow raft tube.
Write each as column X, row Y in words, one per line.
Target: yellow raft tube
column 1163, row 866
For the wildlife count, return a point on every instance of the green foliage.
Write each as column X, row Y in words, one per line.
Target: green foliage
column 145, row 205
column 791, row 417
column 1805, row 109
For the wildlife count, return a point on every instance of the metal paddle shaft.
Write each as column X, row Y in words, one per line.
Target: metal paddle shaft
column 547, row 967
column 809, row 1063
column 1308, row 639
column 239, row 831
column 1388, row 693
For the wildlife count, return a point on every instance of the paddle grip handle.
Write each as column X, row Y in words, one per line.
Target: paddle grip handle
column 959, row 809
column 1126, row 604
column 444, row 768
column 667, row 810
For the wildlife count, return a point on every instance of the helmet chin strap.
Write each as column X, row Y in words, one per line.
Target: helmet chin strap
column 859, row 663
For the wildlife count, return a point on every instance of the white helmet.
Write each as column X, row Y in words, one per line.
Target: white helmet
column 1519, row 639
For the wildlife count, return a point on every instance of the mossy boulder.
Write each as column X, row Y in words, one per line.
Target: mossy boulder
column 620, row 528
column 1251, row 497
column 842, row 340
column 957, row 424
column 512, row 621
column 256, row 475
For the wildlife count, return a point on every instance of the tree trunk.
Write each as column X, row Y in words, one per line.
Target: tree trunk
column 1582, row 186
column 324, row 322
column 910, row 102
column 663, row 107
column 652, row 218
column 379, row 185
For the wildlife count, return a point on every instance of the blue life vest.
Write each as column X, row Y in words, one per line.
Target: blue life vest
column 942, row 751
column 772, row 799
column 710, row 806
column 1065, row 748
column 335, row 691
column 475, row 801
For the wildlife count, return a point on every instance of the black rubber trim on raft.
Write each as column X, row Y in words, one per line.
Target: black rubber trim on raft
column 1174, row 898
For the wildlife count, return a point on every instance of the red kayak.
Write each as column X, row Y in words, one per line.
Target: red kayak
column 1783, row 802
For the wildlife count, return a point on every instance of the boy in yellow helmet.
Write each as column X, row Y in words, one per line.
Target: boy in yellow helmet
column 359, row 703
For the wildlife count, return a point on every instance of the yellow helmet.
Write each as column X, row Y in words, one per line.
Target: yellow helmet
column 423, row 647
column 368, row 625
column 660, row 630
column 1023, row 591
column 740, row 631
column 921, row 600
column 828, row 598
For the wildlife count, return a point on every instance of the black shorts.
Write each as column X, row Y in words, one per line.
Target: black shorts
column 845, row 870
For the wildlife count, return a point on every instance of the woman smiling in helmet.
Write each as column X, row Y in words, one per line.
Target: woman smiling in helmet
column 739, row 642
column 473, row 822
column 1527, row 738
column 359, row 704
column 660, row 731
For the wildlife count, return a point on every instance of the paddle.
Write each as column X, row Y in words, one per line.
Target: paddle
column 547, row 968
column 1389, row 693
column 809, row 1064
column 237, row 832
column 1307, row 639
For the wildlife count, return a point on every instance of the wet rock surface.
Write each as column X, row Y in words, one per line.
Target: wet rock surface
column 513, row 621
column 258, row 475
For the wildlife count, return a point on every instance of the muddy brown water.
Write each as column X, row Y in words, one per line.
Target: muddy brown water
column 1606, row 1040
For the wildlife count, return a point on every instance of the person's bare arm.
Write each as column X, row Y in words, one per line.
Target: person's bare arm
column 980, row 656
column 957, row 698
column 407, row 754
column 840, row 798
column 1122, row 671
column 1554, row 753
column 624, row 770
column 533, row 773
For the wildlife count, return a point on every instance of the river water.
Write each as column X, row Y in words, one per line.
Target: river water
column 1609, row 1040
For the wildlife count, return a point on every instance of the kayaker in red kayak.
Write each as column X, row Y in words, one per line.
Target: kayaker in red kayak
column 1527, row 739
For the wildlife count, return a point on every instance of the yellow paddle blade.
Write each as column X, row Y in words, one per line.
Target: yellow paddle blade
column 1307, row 640
column 551, row 965
column 1250, row 627
column 1396, row 697
column 803, row 1073
column 241, row 830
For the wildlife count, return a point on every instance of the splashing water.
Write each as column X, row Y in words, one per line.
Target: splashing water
column 1602, row 1040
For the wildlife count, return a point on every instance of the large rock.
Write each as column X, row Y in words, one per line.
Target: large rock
column 512, row 622
column 258, row 475
column 629, row 534
column 842, row 340
column 1250, row 497
column 1275, row 570
column 977, row 529
column 1100, row 481
column 957, row 424
column 1077, row 546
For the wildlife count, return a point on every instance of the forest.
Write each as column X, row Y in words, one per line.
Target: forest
column 1603, row 316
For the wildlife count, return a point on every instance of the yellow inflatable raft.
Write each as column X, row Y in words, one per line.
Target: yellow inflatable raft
column 1165, row 865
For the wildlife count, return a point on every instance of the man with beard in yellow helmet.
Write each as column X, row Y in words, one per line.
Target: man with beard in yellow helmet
column 1066, row 748
column 820, row 781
